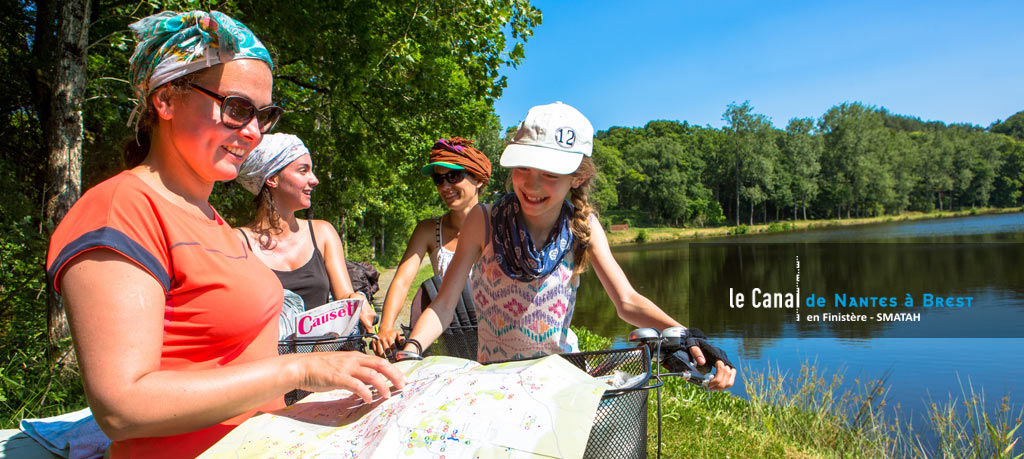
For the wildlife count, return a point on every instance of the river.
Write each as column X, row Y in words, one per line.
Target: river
column 958, row 283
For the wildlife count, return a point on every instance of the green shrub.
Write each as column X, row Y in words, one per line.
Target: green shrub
column 641, row 236
column 778, row 227
column 590, row 341
column 741, row 229
column 30, row 385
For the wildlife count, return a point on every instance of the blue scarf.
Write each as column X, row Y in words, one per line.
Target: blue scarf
column 513, row 247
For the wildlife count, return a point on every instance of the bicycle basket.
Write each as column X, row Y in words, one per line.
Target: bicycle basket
column 354, row 342
column 620, row 424
column 455, row 341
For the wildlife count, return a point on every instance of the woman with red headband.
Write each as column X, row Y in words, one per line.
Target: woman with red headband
column 460, row 173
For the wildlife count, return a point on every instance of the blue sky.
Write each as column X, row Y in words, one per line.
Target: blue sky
column 626, row 63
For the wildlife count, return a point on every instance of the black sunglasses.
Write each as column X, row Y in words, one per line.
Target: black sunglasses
column 236, row 111
column 452, row 177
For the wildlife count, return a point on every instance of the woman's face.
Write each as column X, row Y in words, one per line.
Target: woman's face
column 461, row 195
column 540, row 192
column 292, row 187
column 209, row 150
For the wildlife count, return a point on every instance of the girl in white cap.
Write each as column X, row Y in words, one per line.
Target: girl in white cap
column 525, row 291
column 174, row 320
column 306, row 255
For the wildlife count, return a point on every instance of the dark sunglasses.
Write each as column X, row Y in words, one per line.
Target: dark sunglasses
column 236, row 112
column 452, row 177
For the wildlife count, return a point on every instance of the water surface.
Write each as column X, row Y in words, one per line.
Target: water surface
column 980, row 257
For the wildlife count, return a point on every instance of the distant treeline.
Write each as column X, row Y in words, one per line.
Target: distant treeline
column 853, row 161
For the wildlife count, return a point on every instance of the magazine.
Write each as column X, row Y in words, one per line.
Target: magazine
column 337, row 318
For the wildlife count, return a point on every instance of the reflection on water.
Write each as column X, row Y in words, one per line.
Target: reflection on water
column 973, row 257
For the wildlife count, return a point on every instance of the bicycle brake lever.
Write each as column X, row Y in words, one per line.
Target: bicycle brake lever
column 681, row 363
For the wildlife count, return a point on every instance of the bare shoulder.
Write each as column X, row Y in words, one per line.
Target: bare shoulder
column 324, row 232
column 476, row 227
column 323, row 225
column 427, row 224
column 244, row 233
column 598, row 239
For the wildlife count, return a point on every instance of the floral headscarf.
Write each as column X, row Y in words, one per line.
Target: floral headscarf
column 171, row 45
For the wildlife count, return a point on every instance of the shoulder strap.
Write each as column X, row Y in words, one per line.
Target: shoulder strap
column 246, row 237
column 311, row 235
column 437, row 232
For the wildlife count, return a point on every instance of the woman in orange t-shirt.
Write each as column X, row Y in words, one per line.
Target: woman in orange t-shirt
column 174, row 321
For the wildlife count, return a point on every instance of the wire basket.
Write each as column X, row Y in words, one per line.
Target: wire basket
column 620, row 424
column 356, row 342
column 455, row 341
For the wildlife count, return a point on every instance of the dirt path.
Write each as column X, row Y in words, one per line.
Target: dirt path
column 384, row 282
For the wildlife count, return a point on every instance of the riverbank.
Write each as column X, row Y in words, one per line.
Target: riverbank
column 660, row 234
column 812, row 413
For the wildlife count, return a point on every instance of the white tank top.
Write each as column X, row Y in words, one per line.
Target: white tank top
column 442, row 257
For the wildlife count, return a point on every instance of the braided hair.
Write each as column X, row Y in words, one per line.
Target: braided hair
column 579, row 223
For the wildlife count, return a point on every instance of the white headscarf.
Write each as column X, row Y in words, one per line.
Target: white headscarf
column 272, row 154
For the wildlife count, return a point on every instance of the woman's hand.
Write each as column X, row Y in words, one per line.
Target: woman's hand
column 725, row 375
column 367, row 315
column 353, row 371
column 386, row 339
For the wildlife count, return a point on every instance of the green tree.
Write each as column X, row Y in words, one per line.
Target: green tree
column 855, row 164
column 1008, row 189
column 751, row 150
column 604, row 194
column 373, row 84
column 1013, row 126
column 801, row 151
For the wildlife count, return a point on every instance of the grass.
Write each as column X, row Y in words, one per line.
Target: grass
column 426, row 272
column 31, row 387
column 814, row 414
column 660, row 234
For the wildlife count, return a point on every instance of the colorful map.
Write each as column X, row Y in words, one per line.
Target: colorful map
column 450, row 408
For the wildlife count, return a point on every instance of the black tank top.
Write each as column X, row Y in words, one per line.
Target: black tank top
column 310, row 281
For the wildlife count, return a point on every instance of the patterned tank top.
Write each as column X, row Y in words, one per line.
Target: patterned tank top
column 522, row 319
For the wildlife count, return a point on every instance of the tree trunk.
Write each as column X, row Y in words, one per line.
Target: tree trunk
column 737, row 195
column 341, row 233
column 64, row 134
column 751, row 212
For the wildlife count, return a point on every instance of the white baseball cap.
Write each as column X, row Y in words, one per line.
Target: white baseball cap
column 552, row 138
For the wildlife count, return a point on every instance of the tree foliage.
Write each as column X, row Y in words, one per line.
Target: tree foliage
column 854, row 160
column 1013, row 126
column 368, row 85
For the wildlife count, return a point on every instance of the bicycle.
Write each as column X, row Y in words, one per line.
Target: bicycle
column 620, row 423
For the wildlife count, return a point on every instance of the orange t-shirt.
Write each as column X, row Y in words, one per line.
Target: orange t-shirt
column 221, row 304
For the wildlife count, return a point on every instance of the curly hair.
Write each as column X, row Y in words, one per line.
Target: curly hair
column 267, row 221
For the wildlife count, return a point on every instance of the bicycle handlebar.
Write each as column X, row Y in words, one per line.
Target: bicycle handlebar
column 669, row 347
